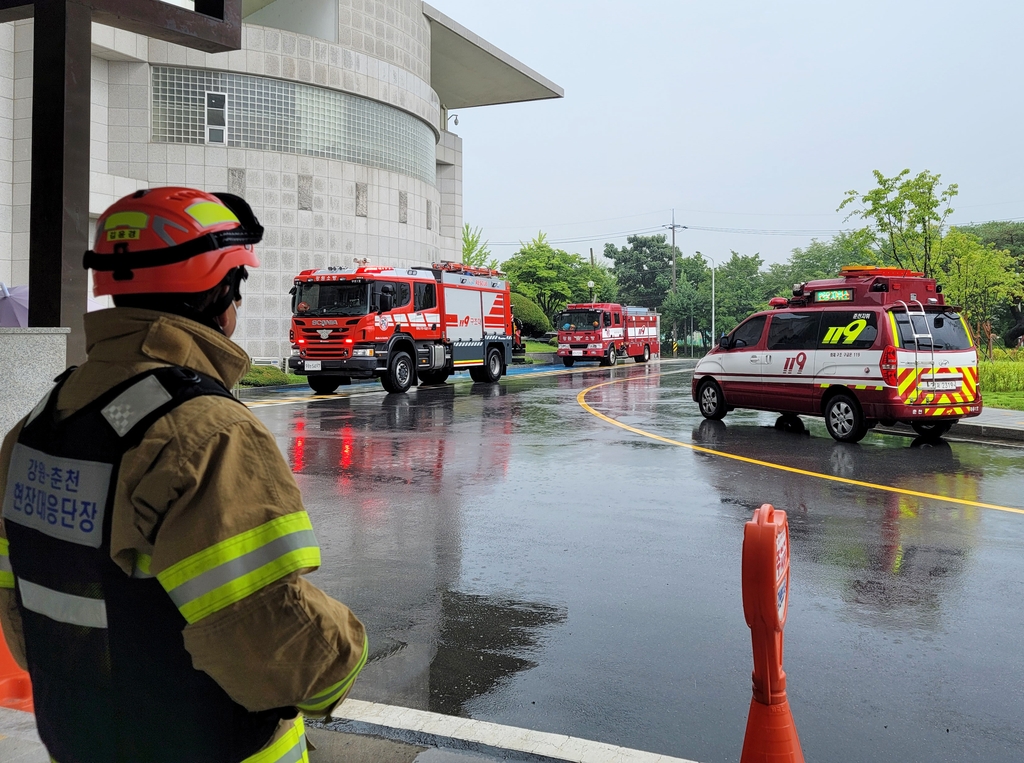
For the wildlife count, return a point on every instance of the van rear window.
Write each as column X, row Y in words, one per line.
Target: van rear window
column 938, row 331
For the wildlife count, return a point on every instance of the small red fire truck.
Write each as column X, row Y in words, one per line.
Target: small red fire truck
column 605, row 332
column 400, row 324
column 875, row 345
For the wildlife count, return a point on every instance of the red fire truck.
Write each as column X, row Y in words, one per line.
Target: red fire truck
column 400, row 324
column 605, row 332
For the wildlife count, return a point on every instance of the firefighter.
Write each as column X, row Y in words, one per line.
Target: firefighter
column 153, row 539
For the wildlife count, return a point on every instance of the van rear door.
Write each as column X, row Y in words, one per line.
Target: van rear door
column 938, row 366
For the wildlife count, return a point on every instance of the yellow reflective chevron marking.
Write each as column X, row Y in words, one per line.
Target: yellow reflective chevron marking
column 127, row 220
column 228, row 571
column 208, row 213
column 6, row 571
column 581, row 399
column 326, row 698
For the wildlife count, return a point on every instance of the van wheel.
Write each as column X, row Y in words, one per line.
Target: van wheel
column 567, row 362
column 932, row 430
column 645, row 357
column 323, row 385
column 710, row 400
column 398, row 377
column 844, row 419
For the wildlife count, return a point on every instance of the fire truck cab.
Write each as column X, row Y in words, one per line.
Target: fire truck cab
column 400, row 325
column 873, row 345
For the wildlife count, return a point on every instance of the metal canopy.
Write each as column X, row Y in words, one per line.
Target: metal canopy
column 466, row 70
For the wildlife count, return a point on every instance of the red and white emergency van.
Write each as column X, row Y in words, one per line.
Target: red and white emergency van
column 873, row 345
column 400, row 324
column 605, row 332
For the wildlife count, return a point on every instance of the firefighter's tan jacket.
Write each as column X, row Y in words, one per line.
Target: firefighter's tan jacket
column 206, row 481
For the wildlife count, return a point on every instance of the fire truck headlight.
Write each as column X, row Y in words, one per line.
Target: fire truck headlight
column 363, row 352
column 593, row 346
column 563, row 347
column 295, row 351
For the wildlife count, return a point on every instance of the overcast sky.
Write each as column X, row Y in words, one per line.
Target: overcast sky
column 740, row 115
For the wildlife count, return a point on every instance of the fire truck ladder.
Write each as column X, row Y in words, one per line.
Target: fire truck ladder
column 920, row 313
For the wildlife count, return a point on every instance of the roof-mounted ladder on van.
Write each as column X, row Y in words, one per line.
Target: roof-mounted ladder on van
column 920, row 313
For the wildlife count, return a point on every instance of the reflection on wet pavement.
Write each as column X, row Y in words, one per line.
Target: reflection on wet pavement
column 518, row 560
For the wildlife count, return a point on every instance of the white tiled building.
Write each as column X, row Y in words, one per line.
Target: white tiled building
column 331, row 121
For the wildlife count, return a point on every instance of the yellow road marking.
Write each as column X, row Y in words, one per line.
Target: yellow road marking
column 581, row 399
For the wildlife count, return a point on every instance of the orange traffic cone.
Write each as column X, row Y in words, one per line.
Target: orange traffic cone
column 771, row 735
column 15, row 685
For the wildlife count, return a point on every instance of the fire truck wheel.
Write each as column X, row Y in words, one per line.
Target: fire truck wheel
column 612, row 358
column 645, row 357
column 932, row 430
column 567, row 362
column 844, row 419
column 712, row 404
column 323, row 385
column 491, row 370
column 398, row 377
column 433, row 377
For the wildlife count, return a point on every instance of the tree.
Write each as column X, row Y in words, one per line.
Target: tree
column 535, row 323
column 821, row 259
column 550, row 277
column 643, row 270
column 474, row 251
column 1008, row 319
column 906, row 216
column 976, row 277
column 739, row 290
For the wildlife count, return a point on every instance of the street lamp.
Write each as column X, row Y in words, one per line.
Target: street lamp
column 714, row 339
column 674, row 227
column 590, row 285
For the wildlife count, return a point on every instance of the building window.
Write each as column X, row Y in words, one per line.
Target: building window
column 403, row 206
column 362, row 207
column 275, row 115
column 430, row 215
column 216, row 117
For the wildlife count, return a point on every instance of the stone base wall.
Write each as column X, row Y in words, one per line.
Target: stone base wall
column 29, row 359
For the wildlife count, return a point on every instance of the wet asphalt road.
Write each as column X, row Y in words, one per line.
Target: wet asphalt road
column 518, row 560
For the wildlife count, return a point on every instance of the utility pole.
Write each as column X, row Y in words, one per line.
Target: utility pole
column 673, row 226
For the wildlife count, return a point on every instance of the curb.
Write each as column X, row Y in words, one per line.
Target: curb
column 963, row 429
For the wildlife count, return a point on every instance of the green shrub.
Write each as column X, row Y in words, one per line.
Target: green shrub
column 1001, row 376
column 264, row 376
column 535, row 323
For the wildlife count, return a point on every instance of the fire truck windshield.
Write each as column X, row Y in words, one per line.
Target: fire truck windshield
column 579, row 320
column 946, row 330
column 332, row 298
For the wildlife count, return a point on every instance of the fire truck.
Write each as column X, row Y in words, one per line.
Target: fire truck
column 401, row 325
column 606, row 332
column 875, row 345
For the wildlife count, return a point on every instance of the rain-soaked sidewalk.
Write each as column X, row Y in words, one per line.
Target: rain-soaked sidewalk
column 367, row 732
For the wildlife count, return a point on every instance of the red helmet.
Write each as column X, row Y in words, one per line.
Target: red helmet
column 171, row 240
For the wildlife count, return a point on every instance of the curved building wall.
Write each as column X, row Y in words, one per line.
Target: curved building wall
column 336, row 143
column 395, row 31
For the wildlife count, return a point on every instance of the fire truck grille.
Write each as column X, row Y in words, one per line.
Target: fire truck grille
column 315, row 333
column 578, row 346
column 326, row 351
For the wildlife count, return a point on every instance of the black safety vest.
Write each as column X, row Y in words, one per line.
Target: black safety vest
column 111, row 679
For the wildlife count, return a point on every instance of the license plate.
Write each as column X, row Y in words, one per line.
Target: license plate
column 940, row 385
column 577, row 353
column 312, row 365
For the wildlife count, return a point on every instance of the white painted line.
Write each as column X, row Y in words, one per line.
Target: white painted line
column 495, row 735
